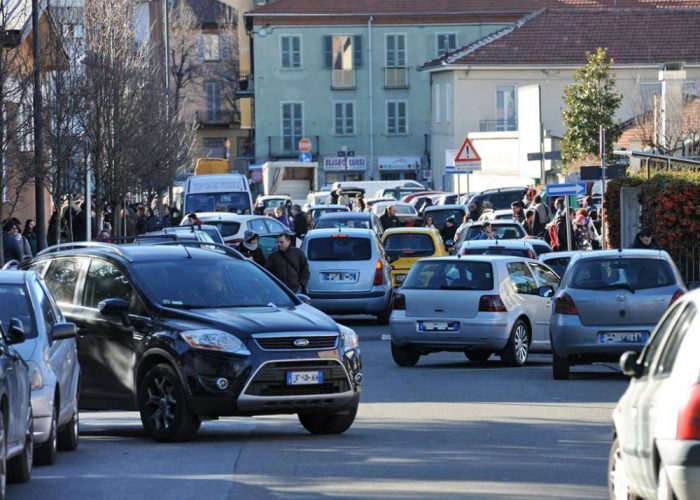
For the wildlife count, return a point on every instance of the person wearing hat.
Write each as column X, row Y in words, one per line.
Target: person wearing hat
column 249, row 248
column 645, row 240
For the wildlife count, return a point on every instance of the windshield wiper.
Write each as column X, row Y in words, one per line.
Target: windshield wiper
column 616, row 286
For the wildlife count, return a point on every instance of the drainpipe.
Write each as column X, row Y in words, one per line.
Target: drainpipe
column 371, row 94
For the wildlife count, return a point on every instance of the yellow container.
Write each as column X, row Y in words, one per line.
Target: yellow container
column 207, row 166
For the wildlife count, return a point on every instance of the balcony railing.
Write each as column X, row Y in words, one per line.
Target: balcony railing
column 396, row 78
column 246, row 86
column 287, row 147
column 343, row 79
column 219, row 118
column 500, row 125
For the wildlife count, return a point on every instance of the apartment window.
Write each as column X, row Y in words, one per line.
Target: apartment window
column 214, row 147
column 343, row 67
column 213, row 95
column 396, row 118
column 209, row 47
column 344, row 117
column 292, row 125
column 438, row 102
column 396, row 72
column 505, row 108
column 445, row 42
column 448, row 103
column 290, row 51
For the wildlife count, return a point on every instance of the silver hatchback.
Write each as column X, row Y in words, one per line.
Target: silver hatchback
column 349, row 272
column 609, row 302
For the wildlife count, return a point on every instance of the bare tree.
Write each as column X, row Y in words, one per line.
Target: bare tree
column 184, row 51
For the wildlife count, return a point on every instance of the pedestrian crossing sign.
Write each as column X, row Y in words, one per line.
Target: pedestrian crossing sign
column 467, row 155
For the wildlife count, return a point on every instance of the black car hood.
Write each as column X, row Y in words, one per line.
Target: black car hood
column 244, row 322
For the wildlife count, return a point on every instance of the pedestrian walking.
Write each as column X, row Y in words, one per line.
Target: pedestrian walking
column 300, row 224
column 249, row 248
column 140, row 220
column 645, row 240
column 542, row 216
column 529, row 223
column 152, row 221
column 29, row 234
column 581, row 234
column 12, row 249
column 289, row 264
column 448, row 232
column 389, row 219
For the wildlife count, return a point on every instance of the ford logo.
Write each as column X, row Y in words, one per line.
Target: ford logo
column 301, row 342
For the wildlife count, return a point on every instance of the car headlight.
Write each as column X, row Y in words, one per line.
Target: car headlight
column 349, row 338
column 35, row 376
column 215, row 340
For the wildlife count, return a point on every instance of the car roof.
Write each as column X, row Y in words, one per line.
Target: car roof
column 627, row 252
column 133, row 253
column 497, row 243
column 13, row 277
column 478, row 258
column 322, row 207
column 496, row 223
column 345, row 215
column 453, row 206
column 497, row 190
column 557, row 255
column 274, row 197
column 225, row 216
column 328, row 232
column 409, row 230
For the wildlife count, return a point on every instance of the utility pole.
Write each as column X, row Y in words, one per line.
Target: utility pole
column 603, row 161
column 38, row 134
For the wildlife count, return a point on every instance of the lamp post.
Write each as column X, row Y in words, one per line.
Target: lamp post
column 38, row 134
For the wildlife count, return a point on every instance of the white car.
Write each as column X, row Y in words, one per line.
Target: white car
column 316, row 198
column 270, row 202
column 656, row 446
column 232, row 226
column 516, row 248
column 317, row 210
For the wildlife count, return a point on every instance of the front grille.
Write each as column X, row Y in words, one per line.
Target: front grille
column 271, row 380
column 286, row 343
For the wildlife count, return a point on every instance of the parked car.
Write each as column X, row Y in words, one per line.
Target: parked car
column 317, row 210
column 50, row 352
column 349, row 272
column 500, row 198
column 16, row 419
column 609, row 302
column 267, row 204
column 656, row 442
column 232, row 226
column 516, row 248
column 505, row 230
column 184, row 334
column 557, row 261
column 407, row 245
column 406, row 213
column 342, row 220
column 478, row 305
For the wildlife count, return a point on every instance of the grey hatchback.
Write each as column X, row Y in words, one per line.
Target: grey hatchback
column 609, row 302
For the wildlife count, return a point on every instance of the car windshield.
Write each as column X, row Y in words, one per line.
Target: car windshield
column 409, row 245
column 315, row 214
column 339, row 248
column 558, row 264
column 503, row 231
column 323, row 223
column 631, row 274
column 515, row 252
column 14, row 303
column 440, row 216
column 221, row 202
column 208, row 283
column 274, row 202
column 450, row 275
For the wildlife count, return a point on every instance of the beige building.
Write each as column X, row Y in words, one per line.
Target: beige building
column 498, row 90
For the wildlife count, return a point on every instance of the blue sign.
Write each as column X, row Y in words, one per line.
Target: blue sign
column 566, row 189
column 305, row 157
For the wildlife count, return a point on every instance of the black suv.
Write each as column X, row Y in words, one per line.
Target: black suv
column 500, row 198
column 185, row 334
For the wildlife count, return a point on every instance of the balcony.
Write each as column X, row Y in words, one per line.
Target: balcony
column 246, row 86
column 343, row 79
column 500, row 125
column 395, row 78
column 217, row 119
column 286, row 148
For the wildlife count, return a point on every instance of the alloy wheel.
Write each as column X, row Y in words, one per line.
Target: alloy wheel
column 520, row 343
column 618, row 479
column 161, row 403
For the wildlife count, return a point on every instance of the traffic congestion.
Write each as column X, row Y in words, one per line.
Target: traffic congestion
column 240, row 311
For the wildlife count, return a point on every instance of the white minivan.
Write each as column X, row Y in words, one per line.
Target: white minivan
column 217, row 193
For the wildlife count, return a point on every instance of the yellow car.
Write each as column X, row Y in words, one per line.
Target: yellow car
column 405, row 246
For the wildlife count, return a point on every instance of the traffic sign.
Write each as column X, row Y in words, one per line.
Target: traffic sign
column 548, row 155
column 566, row 189
column 595, row 173
column 468, row 156
column 460, row 169
column 304, row 145
column 305, row 157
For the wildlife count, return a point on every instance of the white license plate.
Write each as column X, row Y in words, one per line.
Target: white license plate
column 304, row 378
column 437, row 326
column 339, row 276
column 622, row 337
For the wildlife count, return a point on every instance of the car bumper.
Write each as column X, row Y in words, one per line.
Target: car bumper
column 571, row 338
column 42, row 411
column 682, row 462
column 373, row 302
column 491, row 331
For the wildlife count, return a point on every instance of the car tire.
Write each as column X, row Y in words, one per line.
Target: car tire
column 404, row 356
column 19, row 469
column 69, row 436
column 561, row 368
column 333, row 423
column 165, row 415
column 618, row 483
column 384, row 317
column 477, row 355
column 46, row 453
column 517, row 348
column 664, row 490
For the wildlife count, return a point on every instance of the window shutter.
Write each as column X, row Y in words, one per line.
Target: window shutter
column 201, row 46
column 357, row 49
column 390, row 55
column 223, row 46
column 327, row 52
column 296, row 52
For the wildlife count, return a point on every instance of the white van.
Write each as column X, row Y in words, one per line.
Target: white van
column 217, row 193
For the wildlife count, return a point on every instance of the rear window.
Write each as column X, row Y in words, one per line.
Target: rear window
column 503, row 200
column 503, row 231
column 440, row 216
column 450, row 275
column 226, row 228
column 340, row 223
column 634, row 274
column 405, row 210
column 315, row 214
column 558, row 265
column 409, row 245
column 339, row 248
column 515, row 252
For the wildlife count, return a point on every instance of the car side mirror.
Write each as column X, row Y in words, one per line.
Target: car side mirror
column 62, row 331
column 545, row 292
column 629, row 364
column 304, row 298
column 113, row 307
column 15, row 334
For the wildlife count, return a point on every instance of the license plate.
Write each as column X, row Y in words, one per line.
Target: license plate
column 304, row 378
column 622, row 337
column 399, row 278
column 339, row 276
column 438, row 326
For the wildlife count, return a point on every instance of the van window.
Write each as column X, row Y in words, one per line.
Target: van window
column 218, row 202
column 450, row 275
column 339, row 248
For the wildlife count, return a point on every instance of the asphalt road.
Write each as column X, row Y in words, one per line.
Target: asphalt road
column 444, row 429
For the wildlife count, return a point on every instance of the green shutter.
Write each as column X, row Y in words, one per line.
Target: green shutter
column 327, row 52
column 357, row 49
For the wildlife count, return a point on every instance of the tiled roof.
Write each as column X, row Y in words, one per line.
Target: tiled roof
column 638, row 130
column 562, row 36
column 209, row 12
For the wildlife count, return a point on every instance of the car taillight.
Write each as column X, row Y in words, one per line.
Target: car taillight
column 491, row 303
column 689, row 416
column 677, row 295
column 565, row 305
column 399, row 302
column 379, row 274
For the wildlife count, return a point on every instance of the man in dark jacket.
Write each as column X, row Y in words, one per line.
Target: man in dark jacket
column 289, row 264
column 152, row 222
column 12, row 248
column 301, row 227
column 645, row 240
column 250, row 249
column 448, row 232
column 389, row 219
